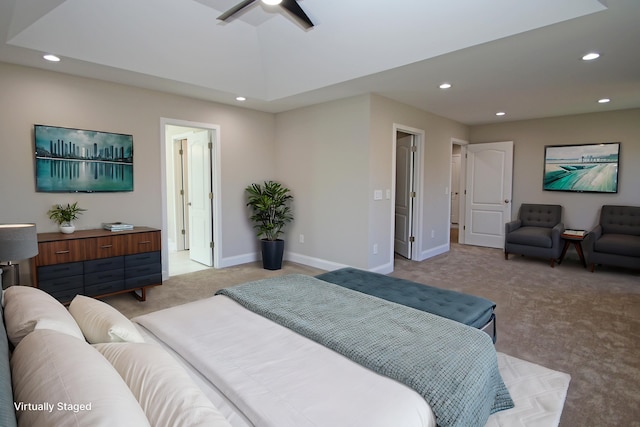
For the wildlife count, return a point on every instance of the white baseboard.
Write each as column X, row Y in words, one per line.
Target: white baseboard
column 331, row 265
column 325, row 264
column 239, row 259
column 313, row 262
column 434, row 251
column 383, row 269
column 288, row 256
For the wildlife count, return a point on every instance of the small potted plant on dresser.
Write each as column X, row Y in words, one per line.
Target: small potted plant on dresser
column 65, row 215
column 271, row 212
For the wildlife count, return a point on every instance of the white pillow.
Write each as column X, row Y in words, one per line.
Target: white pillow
column 27, row 308
column 102, row 323
column 79, row 386
column 166, row 392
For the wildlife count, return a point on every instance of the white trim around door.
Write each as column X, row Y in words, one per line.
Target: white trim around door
column 214, row 131
column 418, row 179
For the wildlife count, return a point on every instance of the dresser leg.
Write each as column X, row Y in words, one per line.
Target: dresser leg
column 142, row 296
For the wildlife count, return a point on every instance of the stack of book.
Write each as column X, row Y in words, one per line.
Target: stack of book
column 117, row 226
column 577, row 233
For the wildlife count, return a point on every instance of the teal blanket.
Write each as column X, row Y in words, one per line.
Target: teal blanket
column 453, row 366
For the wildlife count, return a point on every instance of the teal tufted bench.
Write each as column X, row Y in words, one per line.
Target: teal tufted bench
column 464, row 308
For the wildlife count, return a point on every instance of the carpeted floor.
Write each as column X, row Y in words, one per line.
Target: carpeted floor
column 565, row 318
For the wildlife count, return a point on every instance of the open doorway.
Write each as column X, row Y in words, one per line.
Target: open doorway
column 457, row 193
column 407, row 179
column 190, row 209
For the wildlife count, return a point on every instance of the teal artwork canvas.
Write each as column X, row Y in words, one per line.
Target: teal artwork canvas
column 591, row 168
column 77, row 160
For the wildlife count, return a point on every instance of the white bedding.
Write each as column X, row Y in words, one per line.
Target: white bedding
column 258, row 373
column 278, row 378
column 235, row 417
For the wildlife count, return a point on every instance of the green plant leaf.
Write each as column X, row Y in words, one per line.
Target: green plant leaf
column 269, row 203
column 61, row 214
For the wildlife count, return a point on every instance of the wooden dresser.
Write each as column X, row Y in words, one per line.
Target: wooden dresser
column 98, row 263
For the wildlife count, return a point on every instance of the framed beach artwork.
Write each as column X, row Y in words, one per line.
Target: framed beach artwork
column 588, row 168
column 78, row 160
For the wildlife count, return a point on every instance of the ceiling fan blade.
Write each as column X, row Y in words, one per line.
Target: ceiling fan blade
column 235, row 9
column 294, row 8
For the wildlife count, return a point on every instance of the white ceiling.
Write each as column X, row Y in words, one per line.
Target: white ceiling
column 521, row 57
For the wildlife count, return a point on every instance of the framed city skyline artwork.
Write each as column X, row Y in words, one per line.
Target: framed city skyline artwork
column 78, row 160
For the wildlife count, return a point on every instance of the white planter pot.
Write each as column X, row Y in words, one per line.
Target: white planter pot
column 67, row 228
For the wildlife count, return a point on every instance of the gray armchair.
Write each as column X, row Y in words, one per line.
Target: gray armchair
column 535, row 233
column 616, row 239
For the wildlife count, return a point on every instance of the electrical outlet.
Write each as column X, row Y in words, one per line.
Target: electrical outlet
column 375, row 248
column 301, row 238
column 433, row 233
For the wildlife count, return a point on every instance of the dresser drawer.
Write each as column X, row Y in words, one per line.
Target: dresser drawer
column 97, row 265
column 60, row 252
column 143, row 270
column 105, row 247
column 143, row 242
column 104, row 288
column 62, row 284
column 138, row 282
column 131, row 261
column 103, row 277
column 60, row 270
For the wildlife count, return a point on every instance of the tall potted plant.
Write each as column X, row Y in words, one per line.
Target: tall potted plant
column 269, row 203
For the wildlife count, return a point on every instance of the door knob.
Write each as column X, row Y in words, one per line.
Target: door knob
column 506, row 200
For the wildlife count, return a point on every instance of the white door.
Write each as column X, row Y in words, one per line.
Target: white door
column 455, row 188
column 404, row 196
column 200, row 199
column 488, row 200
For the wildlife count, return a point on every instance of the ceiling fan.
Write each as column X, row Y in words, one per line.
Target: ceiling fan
column 291, row 6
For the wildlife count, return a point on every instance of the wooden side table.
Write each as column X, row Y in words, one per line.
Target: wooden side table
column 574, row 237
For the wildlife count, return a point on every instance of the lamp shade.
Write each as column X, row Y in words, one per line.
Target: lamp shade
column 18, row 242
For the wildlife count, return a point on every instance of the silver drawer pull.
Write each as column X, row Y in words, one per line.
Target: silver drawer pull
column 146, row 242
column 62, row 252
column 106, row 246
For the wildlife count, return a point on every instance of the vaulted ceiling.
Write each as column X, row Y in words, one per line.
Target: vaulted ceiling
column 520, row 57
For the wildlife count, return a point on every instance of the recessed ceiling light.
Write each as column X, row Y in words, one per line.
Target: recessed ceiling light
column 240, row 98
column 272, row 2
column 51, row 58
column 591, row 56
column 500, row 113
column 604, row 100
column 445, row 85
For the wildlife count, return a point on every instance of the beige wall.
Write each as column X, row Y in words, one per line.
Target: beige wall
column 332, row 155
column 335, row 155
column 530, row 136
column 31, row 96
column 323, row 156
column 436, row 159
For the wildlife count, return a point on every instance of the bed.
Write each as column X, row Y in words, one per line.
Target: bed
column 297, row 351
column 216, row 363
